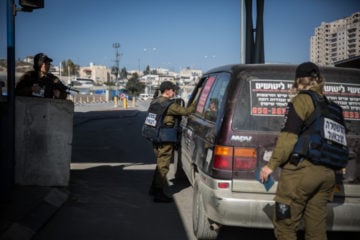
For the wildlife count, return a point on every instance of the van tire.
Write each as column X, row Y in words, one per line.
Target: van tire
column 201, row 224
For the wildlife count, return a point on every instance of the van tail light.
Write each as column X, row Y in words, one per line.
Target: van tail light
column 230, row 158
column 223, row 157
column 244, row 158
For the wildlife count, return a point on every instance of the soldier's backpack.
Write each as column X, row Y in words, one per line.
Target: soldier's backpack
column 154, row 129
column 323, row 137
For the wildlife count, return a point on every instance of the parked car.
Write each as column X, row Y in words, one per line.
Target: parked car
column 145, row 96
column 221, row 150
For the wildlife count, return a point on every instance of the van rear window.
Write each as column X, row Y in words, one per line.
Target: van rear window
column 269, row 97
column 262, row 104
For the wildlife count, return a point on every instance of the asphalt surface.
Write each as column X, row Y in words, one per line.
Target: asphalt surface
column 107, row 197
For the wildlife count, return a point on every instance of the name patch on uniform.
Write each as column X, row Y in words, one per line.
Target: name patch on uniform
column 151, row 119
column 334, row 131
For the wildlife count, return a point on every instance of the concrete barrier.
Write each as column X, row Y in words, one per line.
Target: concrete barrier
column 43, row 141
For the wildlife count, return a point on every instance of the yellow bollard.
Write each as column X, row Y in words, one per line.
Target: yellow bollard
column 125, row 103
column 115, row 101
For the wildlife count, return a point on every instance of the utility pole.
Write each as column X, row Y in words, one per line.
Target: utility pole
column 242, row 32
column 254, row 49
column 116, row 46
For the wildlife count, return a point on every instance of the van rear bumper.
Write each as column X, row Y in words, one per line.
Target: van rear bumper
column 256, row 210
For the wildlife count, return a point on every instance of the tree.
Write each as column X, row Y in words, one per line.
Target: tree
column 147, row 70
column 115, row 71
column 153, row 72
column 69, row 68
column 134, row 86
column 123, row 73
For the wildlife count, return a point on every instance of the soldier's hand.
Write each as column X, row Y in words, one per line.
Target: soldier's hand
column 265, row 173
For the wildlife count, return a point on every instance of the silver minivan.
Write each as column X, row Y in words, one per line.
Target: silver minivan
column 232, row 133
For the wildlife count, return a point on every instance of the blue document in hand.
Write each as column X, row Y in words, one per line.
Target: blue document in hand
column 269, row 183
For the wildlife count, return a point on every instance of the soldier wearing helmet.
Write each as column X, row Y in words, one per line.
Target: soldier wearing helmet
column 39, row 82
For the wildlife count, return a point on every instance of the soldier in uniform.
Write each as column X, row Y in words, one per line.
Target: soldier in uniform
column 164, row 151
column 304, row 188
column 39, row 82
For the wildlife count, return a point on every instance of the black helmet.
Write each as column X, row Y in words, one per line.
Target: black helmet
column 39, row 59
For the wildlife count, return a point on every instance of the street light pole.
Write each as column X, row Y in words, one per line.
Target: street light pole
column 8, row 164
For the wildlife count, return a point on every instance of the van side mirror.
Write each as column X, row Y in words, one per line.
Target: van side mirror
column 31, row 4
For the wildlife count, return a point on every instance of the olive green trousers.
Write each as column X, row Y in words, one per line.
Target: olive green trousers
column 163, row 155
column 304, row 191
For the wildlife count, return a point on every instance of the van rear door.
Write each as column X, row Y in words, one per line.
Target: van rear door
column 257, row 120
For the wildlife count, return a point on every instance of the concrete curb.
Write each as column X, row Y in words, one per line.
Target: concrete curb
column 26, row 227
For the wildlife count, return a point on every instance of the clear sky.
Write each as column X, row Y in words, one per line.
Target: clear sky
column 166, row 33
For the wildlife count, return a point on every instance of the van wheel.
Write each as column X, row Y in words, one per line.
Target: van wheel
column 201, row 224
column 178, row 170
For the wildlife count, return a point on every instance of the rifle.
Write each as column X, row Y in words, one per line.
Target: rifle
column 69, row 89
column 50, row 82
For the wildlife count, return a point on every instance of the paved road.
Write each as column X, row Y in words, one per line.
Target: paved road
column 111, row 170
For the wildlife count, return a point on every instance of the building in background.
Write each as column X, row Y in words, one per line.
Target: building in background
column 189, row 75
column 336, row 41
column 100, row 74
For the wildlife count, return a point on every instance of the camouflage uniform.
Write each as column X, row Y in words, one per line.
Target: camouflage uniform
column 163, row 152
column 303, row 190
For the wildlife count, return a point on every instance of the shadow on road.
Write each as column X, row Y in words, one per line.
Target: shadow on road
column 111, row 171
column 112, row 168
column 111, row 202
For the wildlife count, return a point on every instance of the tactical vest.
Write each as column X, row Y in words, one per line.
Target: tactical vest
column 322, row 139
column 154, row 129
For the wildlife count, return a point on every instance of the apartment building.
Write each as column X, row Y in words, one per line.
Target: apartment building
column 100, row 74
column 336, row 41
